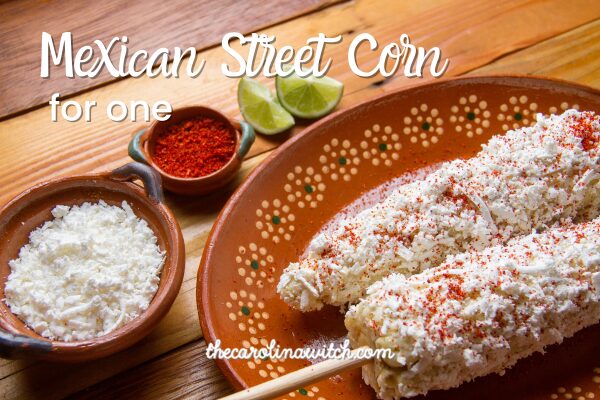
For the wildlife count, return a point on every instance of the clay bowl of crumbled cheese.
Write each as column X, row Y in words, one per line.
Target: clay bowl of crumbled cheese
column 88, row 265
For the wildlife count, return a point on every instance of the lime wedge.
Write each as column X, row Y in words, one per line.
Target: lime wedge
column 261, row 109
column 308, row 97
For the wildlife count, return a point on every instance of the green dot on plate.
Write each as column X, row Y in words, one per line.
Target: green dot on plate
column 276, row 220
column 471, row 115
column 425, row 126
column 518, row 116
column 308, row 188
column 303, row 391
column 382, row 146
column 245, row 310
column 342, row 161
column 254, row 264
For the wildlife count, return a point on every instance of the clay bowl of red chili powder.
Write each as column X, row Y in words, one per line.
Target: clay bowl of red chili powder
column 197, row 150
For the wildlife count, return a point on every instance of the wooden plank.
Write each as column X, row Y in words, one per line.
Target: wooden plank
column 566, row 65
column 183, row 373
column 63, row 148
column 32, row 149
column 149, row 25
column 574, row 56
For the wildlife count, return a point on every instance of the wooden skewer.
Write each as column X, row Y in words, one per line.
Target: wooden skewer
column 294, row 380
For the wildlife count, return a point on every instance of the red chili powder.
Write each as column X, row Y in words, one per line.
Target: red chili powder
column 194, row 148
column 584, row 129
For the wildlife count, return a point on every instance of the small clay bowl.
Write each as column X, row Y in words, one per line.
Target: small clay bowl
column 141, row 148
column 32, row 208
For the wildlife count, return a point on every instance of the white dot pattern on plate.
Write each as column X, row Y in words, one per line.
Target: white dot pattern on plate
column 275, row 220
column 381, row 145
column 562, row 107
column 517, row 112
column 304, row 392
column 424, row 124
column 577, row 392
column 305, row 187
column 255, row 265
column 245, row 309
column 470, row 116
column 339, row 160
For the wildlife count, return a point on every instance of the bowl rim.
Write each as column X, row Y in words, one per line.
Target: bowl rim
column 202, row 290
column 160, row 304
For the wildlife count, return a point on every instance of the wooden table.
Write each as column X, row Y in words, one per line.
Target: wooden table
column 551, row 38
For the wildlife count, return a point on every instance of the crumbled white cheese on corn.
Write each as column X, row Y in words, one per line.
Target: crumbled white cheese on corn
column 528, row 179
column 479, row 312
column 87, row 272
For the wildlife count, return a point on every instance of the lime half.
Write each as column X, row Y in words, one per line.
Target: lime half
column 308, row 97
column 261, row 109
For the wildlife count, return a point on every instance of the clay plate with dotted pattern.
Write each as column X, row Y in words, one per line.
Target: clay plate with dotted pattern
column 269, row 221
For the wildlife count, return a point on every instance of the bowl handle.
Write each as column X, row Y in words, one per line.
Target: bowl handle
column 246, row 140
column 136, row 147
column 149, row 176
column 21, row 346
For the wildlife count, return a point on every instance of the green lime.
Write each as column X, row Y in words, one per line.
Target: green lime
column 308, row 97
column 261, row 109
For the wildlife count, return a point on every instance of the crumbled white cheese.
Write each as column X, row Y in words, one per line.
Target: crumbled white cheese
column 87, row 272
column 530, row 178
column 479, row 312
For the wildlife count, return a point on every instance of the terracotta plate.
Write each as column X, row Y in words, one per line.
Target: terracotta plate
column 273, row 216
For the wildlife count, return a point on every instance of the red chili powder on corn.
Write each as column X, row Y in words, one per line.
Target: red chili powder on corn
column 584, row 129
column 194, row 148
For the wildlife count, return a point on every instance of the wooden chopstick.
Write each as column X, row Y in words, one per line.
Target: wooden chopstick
column 294, row 380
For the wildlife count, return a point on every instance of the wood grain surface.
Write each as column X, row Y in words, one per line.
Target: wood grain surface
column 165, row 378
column 148, row 24
column 541, row 37
column 567, row 65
